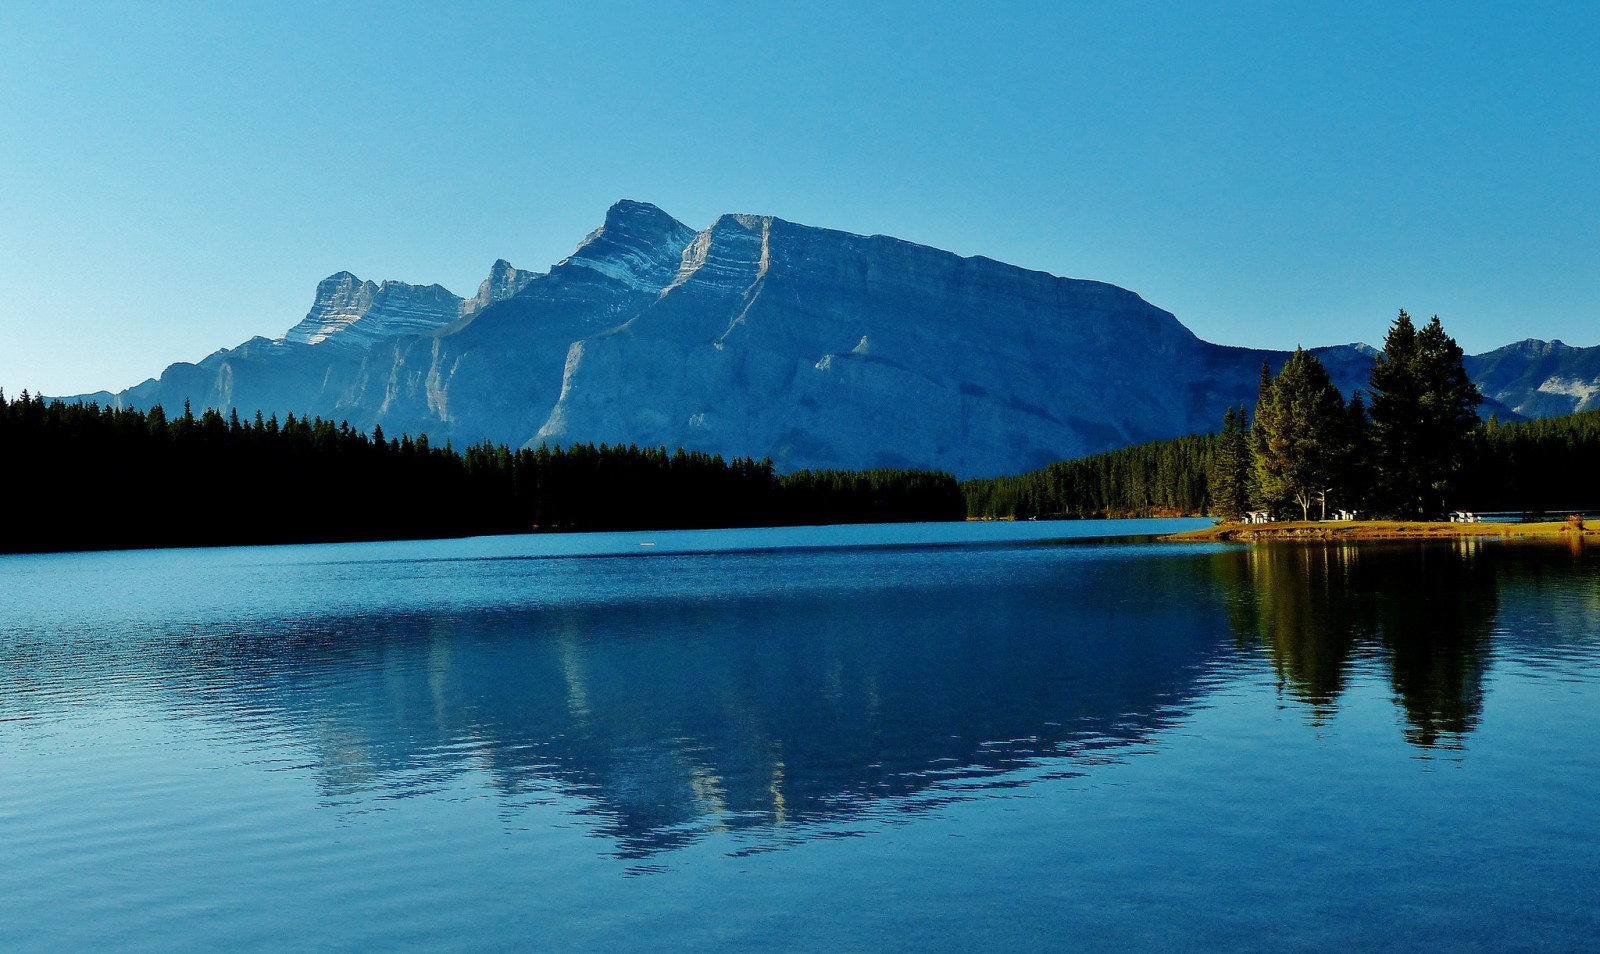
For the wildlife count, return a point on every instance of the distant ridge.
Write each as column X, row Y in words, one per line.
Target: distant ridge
column 764, row 338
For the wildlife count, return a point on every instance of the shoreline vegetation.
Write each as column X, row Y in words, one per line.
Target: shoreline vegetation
column 1570, row 530
column 1549, row 466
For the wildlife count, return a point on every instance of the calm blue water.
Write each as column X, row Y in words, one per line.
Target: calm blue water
column 923, row 738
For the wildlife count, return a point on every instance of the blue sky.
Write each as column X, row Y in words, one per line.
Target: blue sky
column 175, row 178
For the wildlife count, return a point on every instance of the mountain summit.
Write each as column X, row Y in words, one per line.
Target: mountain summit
column 764, row 338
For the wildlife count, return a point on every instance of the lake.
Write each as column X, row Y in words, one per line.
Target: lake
column 937, row 737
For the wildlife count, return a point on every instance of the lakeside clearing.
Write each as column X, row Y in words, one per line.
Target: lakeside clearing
column 1381, row 530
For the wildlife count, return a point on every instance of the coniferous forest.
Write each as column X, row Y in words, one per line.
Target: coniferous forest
column 1549, row 467
column 85, row 477
column 1161, row 478
column 1415, row 450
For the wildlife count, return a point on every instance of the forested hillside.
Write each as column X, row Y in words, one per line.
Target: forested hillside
column 1161, row 478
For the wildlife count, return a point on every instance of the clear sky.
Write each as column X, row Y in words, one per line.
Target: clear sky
column 175, row 178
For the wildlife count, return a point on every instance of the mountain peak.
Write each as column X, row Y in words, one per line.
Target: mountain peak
column 504, row 281
column 354, row 313
column 632, row 210
column 639, row 245
column 742, row 220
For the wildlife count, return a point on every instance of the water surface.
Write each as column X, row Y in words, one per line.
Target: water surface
column 929, row 737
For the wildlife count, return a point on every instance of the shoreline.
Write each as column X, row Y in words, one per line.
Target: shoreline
column 1310, row 530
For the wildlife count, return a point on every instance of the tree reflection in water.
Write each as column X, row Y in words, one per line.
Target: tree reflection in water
column 791, row 695
column 1424, row 610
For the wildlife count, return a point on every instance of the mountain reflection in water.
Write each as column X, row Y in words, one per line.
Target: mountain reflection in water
column 678, row 711
column 788, row 695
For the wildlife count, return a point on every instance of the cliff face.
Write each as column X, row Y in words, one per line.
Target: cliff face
column 759, row 337
column 352, row 314
column 819, row 348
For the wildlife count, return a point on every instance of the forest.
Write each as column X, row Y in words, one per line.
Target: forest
column 1547, row 467
column 1416, row 449
column 1544, row 467
column 1161, row 478
column 83, row 477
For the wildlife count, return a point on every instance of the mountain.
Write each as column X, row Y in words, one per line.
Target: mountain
column 1539, row 378
column 352, row 314
column 760, row 337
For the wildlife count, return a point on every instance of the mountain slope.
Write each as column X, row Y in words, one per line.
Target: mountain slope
column 1539, row 378
column 760, row 337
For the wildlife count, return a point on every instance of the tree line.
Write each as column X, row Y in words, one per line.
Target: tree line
column 1550, row 466
column 1160, row 478
column 87, row 477
column 1410, row 446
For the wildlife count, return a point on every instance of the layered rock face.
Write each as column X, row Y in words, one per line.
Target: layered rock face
column 759, row 337
column 318, row 366
column 350, row 313
column 503, row 282
column 820, row 348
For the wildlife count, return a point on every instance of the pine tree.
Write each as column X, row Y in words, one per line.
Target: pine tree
column 1229, row 481
column 1248, row 489
column 1301, row 434
column 1424, row 411
column 1359, row 474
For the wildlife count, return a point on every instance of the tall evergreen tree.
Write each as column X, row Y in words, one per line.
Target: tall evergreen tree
column 1302, row 436
column 1359, row 472
column 1221, row 478
column 1229, row 477
column 1424, row 411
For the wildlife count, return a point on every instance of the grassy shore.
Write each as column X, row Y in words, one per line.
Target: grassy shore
column 1383, row 530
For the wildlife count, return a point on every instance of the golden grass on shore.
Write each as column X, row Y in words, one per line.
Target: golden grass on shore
column 1382, row 530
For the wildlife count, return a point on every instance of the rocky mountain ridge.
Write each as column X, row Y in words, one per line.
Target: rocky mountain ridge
column 1538, row 378
column 352, row 314
column 760, row 337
